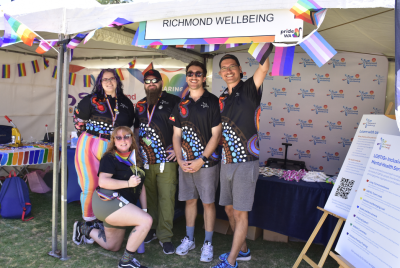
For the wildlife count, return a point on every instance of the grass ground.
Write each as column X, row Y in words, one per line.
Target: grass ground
column 26, row 244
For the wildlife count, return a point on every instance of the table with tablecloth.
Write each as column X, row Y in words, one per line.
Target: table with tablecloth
column 26, row 155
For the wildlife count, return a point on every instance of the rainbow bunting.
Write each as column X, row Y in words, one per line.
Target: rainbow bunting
column 89, row 36
column 304, row 10
column 21, row 69
column 71, row 54
column 35, row 66
column 261, row 51
column 46, row 63
column 132, row 64
column 45, row 46
column 119, row 22
column 231, row 45
column 6, row 71
column 318, row 49
column 319, row 16
column 119, row 72
column 86, row 80
column 72, row 79
column 76, row 40
column 150, row 67
column 160, row 47
column 209, row 48
column 54, row 75
column 17, row 32
column 185, row 46
column 283, row 61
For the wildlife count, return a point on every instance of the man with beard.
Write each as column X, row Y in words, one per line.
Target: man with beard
column 153, row 133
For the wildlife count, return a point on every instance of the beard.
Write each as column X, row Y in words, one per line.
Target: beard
column 153, row 94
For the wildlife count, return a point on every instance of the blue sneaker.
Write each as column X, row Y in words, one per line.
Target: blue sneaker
column 242, row 256
column 225, row 264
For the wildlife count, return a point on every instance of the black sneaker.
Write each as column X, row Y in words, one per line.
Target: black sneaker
column 134, row 263
column 77, row 235
column 151, row 235
column 168, row 248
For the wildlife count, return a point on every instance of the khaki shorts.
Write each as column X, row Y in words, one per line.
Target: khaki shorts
column 102, row 209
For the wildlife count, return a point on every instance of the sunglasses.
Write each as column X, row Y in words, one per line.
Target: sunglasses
column 126, row 137
column 105, row 80
column 154, row 80
column 197, row 74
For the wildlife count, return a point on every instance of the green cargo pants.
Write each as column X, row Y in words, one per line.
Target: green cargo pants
column 160, row 192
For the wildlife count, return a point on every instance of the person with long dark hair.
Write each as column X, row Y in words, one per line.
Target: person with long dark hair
column 95, row 117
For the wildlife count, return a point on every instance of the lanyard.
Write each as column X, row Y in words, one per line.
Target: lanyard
column 150, row 116
column 113, row 115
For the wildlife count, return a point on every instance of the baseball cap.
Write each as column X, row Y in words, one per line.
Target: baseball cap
column 154, row 73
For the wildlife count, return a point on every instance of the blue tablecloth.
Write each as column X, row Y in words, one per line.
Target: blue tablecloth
column 73, row 188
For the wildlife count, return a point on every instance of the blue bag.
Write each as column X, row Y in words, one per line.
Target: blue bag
column 14, row 199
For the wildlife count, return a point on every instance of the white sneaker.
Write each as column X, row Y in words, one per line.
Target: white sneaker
column 207, row 252
column 186, row 245
column 87, row 240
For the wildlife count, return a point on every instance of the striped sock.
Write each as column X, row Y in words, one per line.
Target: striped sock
column 128, row 256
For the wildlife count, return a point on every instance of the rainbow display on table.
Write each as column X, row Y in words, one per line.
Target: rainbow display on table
column 26, row 155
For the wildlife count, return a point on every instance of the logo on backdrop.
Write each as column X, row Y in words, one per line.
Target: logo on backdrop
column 73, row 99
column 322, row 78
column 376, row 111
column 269, row 77
column 320, row 168
column 277, row 152
column 292, row 107
column 294, row 77
column 132, row 97
column 306, row 93
column 290, row 138
column 307, row 62
column 331, row 156
column 368, row 63
column 383, row 144
column 217, row 76
column 337, row 63
column 320, row 109
column 318, row 140
column 303, row 154
column 277, row 122
column 279, row 92
column 289, row 33
column 332, row 125
column 345, row 142
column 379, row 78
column 264, row 136
column 252, row 62
column 244, row 78
column 352, row 78
column 266, row 106
column 368, row 123
column 366, row 95
column 349, row 110
column 334, row 94
column 305, row 123
column 357, row 125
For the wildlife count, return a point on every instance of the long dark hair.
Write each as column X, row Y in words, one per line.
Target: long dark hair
column 98, row 88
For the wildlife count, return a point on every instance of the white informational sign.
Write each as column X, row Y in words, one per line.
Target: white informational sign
column 352, row 171
column 371, row 235
column 317, row 110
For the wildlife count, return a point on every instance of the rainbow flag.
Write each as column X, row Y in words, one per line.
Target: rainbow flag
column 76, row 40
column 72, row 79
column 261, row 51
column 45, row 46
column 132, row 64
column 21, row 69
column 231, row 45
column 160, row 47
column 54, row 75
column 46, row 63
column 283, row 61
column 318, row 49
column 17, row 32
column 304, row 10
column 35, row 66
column 86, row 80
column 185, row 46
column 319, row 17
column 119, row 72
column 209, row 48
column 119, row 22
column 6, row 71
column 150, row 67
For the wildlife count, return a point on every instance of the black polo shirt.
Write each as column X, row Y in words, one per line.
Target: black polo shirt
column 240, row 114
column 196, row 119
column 160, row 130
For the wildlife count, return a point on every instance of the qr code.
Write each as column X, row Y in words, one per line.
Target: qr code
column 344, row 188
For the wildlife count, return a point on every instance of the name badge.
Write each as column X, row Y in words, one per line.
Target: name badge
column 146, row 166
column 162, row 166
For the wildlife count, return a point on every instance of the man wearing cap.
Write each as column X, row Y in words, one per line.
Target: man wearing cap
column 240, row 112
column 197, row 131
column 153, row 134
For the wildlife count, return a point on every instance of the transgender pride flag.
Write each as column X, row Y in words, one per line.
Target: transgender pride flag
column 209, row 48
column 318, row 49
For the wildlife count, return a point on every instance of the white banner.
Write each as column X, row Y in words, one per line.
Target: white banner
column 315, row 109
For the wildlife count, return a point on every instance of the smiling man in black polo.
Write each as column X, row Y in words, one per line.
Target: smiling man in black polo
column 240, row 113
column 197, row 131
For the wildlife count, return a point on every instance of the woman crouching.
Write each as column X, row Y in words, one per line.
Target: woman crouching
column 120, row 186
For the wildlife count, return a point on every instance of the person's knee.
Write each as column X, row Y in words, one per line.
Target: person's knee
column 191, row 202
column 147, row 222
column 240, row 216
column 229, row 210
column 209, row 206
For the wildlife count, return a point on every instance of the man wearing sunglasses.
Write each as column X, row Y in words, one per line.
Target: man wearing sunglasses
column 240, row 111
column 153, row 133
column 197, row 131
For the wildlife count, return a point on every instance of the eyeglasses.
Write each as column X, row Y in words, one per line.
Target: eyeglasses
column 111, row 79
column 126, row 137
column 232, row 68
column 197, row 74
column 154, row 80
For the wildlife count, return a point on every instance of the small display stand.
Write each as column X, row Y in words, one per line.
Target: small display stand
column 341, row 261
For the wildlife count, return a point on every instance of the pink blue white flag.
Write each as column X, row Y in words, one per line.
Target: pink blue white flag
column 89, row 36
column 318, row 49
column 283, row 61
column 76, row 40
column 119, row 22
column 209, row 48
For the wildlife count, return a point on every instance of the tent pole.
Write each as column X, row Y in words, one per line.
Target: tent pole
column 64, row 138
column 56, row 164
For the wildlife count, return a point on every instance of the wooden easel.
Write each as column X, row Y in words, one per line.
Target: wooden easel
column 321, row 262
column 341, row 261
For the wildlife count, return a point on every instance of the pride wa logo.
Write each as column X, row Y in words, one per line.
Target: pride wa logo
column 294, row 77
column 269, row 76
column 322, row 78
column 379, row 78
column 306, row 93
column 364, row 95
column 266, row 106
column 305, row 123
column 334, row 94
column 352, row 78
column 331, row 156
column 318, row 140
column 383, row 144
column 376, row 111
column 264, row 136
column 251, row 62
column 217, row 76
column 290, row 138
column 368, row 123
column 337, row 63
column 368, row 63
column 277, row 122
column 303, row 154
column 333, row 125
column 320, row 168
column 274, row 151
column 345, row 142
column 349, row 110
column 278, row 92
column 307, row 62
column 292, row 107
column 320, row 109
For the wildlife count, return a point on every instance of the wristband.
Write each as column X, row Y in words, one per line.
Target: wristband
column 144, row 209
column 204, row 158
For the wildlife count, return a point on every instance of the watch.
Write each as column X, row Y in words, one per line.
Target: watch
column 205, row 159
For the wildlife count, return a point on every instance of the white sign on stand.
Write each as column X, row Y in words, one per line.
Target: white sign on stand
column 371, row 235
